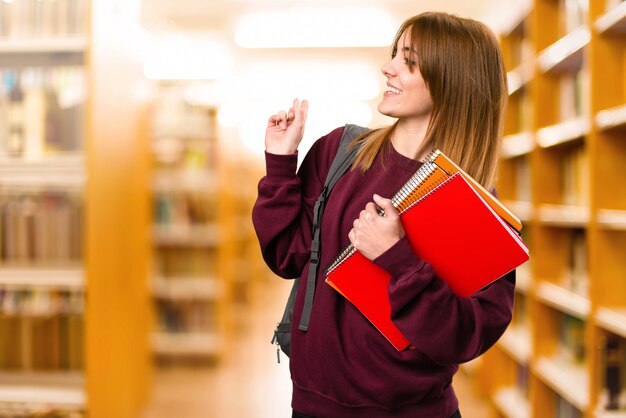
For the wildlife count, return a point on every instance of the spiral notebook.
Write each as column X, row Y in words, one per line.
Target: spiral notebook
column 436, row 169
column 448, row 224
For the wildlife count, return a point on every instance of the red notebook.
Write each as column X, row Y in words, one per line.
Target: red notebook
column 453, row 229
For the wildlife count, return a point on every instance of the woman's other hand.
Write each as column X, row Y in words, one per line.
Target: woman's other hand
column 373, row 234
column 285, row 129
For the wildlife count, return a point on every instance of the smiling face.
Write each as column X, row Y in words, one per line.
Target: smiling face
column 455, row 95
column 407, row 97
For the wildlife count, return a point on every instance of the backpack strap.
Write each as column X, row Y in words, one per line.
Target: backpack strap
column 343, row 160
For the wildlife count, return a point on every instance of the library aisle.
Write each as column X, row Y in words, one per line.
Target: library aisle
column 248, row 383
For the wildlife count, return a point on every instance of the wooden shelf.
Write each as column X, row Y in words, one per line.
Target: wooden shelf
column 522, row 209
column 27, row 278
column 563, row 300
column 565, row 55
column 184, row 134
column 56, row 45
column 612, row 319
column 563, row 133
column 600, row 412
column 523, row 280
column 517, row 145
column 192, row 283
column 35, row 392
column 568, row 380
column 516, row 15
column 197, row 181
column 610, row 414
column 611, row 219
column 512, row 403
column 472, row 366
column 187, row 235
column 611, row 118
column 520, row 77
column 613, row 21
column 108, row 176
column 204, row 288
column 564, row 216
column 63, row 171
column 518, row 343
column 185, row 344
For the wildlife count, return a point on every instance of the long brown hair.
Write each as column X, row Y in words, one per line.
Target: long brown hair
column 461, row 63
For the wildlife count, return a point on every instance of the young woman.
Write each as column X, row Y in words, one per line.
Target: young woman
column 446, row 86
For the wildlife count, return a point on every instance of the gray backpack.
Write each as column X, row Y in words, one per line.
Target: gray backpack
column 343, row 160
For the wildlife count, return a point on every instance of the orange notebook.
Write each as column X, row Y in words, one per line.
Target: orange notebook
column 439, row 167
column 452, row 228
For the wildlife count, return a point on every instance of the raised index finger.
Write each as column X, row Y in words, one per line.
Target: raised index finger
column 300, row 110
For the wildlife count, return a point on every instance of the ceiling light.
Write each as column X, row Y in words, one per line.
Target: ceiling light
column 178, row 57
column 316, row 27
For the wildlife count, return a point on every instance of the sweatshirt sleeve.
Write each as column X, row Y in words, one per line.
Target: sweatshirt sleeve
column 283, row 212
column 448, row 328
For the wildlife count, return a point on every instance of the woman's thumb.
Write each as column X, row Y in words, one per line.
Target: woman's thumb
column 384, row 204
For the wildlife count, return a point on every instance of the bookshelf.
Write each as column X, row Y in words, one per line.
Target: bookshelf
column 191, row 285
column 562, row 170
column 74, row 251
column 206, row 258
column 245, row 266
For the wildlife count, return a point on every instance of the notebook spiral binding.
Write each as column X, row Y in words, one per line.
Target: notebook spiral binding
column 404, row 198
column 343, row 256
column 430, row 191
column 415, row 188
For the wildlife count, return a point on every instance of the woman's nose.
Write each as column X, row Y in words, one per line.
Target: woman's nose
column 386, row 69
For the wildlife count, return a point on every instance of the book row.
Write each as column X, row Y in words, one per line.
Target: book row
column 573, row 95
column 524, row 112
column 184, row 153
column 40, row 303
column 191, row 316
column 53, row 342
column 573, row 101
column 186, row 262
column 522, row 378
column 614, row 372
column 572, row 339
column 564, row 409
column 22, row 19
column 41, row 228
column 16, row 410
column 572, row 350
column 573, row 177
column 185, row 208
column 41, row 110
column 576, row 276
column 175, row 116
column 521, row 311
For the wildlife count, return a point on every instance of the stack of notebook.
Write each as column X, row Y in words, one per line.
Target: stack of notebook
column 451, row 222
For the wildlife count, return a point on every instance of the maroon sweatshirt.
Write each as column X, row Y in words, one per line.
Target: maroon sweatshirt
column 342, row 366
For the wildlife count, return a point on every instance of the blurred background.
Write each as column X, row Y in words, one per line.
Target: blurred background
column 131, row 145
